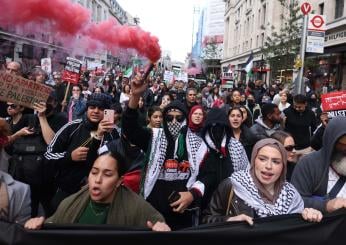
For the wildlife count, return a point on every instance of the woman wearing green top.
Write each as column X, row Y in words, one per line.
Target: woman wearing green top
column 105, row 201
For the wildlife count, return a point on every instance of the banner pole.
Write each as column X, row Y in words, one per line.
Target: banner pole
column 65, row 97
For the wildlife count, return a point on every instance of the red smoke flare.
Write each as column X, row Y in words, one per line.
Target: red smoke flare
column 110, row 33
column 65, row 17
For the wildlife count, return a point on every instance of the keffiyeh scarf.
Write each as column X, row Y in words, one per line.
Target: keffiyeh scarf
column 288, row 201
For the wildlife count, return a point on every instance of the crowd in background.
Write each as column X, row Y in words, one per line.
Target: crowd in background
column 195, row 152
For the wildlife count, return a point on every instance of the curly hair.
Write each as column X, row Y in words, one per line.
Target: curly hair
column 4, row 128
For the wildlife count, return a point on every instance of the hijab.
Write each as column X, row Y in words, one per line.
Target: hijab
column 192, row 126
column 280, row 182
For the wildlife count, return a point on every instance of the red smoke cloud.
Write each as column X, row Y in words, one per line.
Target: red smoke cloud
column 64, row 16
column 111, row 34
column 72, row 19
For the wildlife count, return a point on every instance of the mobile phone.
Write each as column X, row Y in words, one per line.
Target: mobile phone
column 109, row 115
column 173, row 197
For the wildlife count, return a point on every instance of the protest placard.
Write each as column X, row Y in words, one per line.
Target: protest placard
column 21, row 91
column 71, row 73
column 334, row 103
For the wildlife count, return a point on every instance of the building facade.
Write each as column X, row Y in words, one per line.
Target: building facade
column 331, row 66
column 16, row 44
column 246, row 23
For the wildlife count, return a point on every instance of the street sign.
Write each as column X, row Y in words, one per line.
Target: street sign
column 317, row 22
column 305, row 8
column 315, row 42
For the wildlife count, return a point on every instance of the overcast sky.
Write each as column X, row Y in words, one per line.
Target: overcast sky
column 170, row 20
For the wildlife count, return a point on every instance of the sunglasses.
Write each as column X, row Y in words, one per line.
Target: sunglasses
column 13, row 106
column 178, row 118
column 290, row 147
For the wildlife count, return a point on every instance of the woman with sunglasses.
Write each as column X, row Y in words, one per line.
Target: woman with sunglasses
column 259, row 191
column 288, row 142
column 174, row 156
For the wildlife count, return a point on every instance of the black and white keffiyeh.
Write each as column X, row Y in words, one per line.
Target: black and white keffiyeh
column 196, row 149
column 235, row 149
column 288, row 201
column 174, row 128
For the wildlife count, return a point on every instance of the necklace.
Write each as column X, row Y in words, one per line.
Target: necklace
column 96, row 210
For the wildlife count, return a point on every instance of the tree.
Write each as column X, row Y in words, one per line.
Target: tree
column 281, row 48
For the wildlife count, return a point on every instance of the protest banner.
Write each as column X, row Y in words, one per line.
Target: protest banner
column 281, row 229
column 71, row 75
column 21, row 91
column 334, row 103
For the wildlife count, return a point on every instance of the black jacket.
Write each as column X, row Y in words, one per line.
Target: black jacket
column 71, row 175
column 225, row 204
column 300, row 125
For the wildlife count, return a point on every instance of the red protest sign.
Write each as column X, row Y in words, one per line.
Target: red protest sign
column 70, row 77
column 334, row 101
column 72, row 70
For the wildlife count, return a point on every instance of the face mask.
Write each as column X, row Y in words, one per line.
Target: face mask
column 217, row 133
column 174, row 128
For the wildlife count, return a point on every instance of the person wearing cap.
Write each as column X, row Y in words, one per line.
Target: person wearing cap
column 174, row 155
column 320, row 177
column 74, row 147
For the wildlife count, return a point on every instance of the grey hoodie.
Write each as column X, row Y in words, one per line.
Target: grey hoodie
column 262, row 131
column 310, row 176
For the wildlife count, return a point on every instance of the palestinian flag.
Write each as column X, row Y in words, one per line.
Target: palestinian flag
column 249, row 65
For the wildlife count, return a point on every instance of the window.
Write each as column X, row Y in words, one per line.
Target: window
column 262, row 39
column 264, row 14
column 321, row 8
column 339, row 8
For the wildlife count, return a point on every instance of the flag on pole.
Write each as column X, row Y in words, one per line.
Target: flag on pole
column 249, row 64
column 128, row 72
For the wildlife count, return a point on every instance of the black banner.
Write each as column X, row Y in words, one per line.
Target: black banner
column 288, row 229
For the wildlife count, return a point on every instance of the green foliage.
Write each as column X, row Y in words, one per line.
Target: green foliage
column 281, row 48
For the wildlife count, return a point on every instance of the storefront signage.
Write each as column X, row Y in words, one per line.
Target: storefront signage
column 335, row 38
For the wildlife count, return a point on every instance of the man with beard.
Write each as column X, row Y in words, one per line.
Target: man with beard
column 320, row 176
column 74, row 147
column 174, row 155
column 225, row 154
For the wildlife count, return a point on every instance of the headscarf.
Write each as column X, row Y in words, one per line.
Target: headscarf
column 279, row 183
column 192, row 126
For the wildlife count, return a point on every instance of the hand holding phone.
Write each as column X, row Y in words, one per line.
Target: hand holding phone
column 173, row 197
column 109, row 115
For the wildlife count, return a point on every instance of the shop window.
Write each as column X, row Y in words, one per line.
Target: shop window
column 339, row 8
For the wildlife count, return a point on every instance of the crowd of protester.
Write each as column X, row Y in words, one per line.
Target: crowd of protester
column 176, row 155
